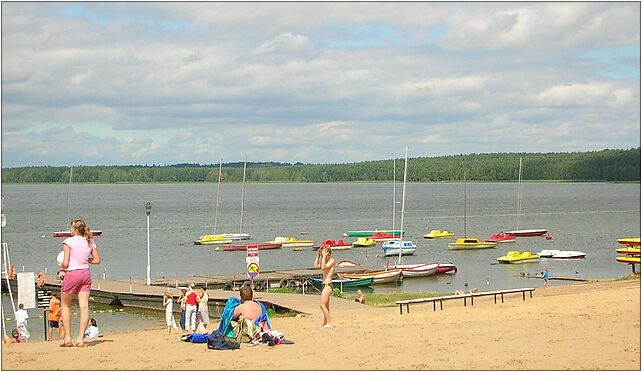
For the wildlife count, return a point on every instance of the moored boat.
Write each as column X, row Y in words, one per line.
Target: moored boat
column 556, row 253
column 345, row 282
column 379, row 277
column 438, row 234
column 416, row 270
column 212, row 240
column 443, row 268
column 379, row 236
column 391, row 248
column 237, row 236
column 632, row 251
column 366, row 233
column 527, row 232
column 502, row 238
column 628, row 259
column 518, row 257
column 364, row 242
column 243, row 247
column 629, row 241
column 290, row 242
column 471, row 243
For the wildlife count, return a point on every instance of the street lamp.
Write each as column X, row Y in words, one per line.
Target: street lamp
column 148, row 210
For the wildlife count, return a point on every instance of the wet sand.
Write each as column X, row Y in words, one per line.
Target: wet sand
column 583, row 326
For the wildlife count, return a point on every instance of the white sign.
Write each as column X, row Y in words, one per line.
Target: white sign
column 27, row 289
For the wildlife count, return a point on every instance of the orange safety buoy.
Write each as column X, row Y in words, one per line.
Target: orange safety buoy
column 40, row 280
column 12, row 272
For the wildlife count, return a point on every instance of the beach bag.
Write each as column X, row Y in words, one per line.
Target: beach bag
column 245, row 331
column 217, row 341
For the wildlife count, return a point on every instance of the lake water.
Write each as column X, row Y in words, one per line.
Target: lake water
column 589, row 217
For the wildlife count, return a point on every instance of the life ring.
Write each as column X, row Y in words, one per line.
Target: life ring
column 283, row 283
column 228, row 287
column 40, row 280
column 292, row 283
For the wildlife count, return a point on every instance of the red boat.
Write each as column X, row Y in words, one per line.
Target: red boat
column 67, row 233
column 381, row 236
column 338, row 244
column 445, row 268
column 243, row 247
column 502, row 238
column 530, row 232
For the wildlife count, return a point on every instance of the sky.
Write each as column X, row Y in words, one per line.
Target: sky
column 164, row 83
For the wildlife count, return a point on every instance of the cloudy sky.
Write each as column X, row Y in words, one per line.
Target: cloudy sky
column 165, row 83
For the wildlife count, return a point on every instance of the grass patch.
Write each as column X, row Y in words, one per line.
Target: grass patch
column 288, row 314
column 283, row 290
column 388, row 299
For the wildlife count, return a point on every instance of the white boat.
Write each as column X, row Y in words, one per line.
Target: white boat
column 523, row 232
column 416, row 270
column 291, row 242
column 389, row 276
column 556, row 253
column 242, row 236
column 391, row 248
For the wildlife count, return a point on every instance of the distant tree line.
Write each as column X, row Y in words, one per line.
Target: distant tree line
column 604, row 165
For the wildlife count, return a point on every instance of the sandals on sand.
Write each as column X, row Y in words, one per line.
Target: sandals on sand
column 79, row 344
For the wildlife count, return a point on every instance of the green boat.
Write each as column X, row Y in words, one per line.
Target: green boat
column 344, row 283
column 366, row 233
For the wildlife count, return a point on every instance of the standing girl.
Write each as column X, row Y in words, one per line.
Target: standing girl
column 169, row 311
column 80, row 251
column 190, row 308
column 203, row 314
column 181, row 301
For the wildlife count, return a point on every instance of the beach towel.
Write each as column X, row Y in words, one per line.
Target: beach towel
column 225, row 325
column 245, row 331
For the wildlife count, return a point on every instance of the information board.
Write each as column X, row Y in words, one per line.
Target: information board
column 26, row 289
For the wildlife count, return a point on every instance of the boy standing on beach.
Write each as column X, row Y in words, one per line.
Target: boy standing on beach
column 54, row 316
column 546, row 277
column 325, row 262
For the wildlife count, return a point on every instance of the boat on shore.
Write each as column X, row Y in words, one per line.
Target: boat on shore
column 344, row 283
column 212, row 240
column 470, row 243
column 243, row 247
column 364, row 242
column 378, row 277
column 439, row 234
column 501, row 238
column 290, row 242
column 556, row 253
column 513, row 257
column 367, row 233
column 391, row 248
column 416, row 270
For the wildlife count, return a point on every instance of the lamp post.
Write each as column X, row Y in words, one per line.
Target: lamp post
column 148, row 210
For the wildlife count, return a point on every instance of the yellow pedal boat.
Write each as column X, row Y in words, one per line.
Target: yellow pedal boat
column 290, row 242
column 628, row 260
column 632, row 251
column 212, row 240
column 518, row 257
column 471, row 243
column 629, row 241
column 436, row 234
column 364, row 242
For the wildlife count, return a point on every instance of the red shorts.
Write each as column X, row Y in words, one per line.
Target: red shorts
column 77, row 281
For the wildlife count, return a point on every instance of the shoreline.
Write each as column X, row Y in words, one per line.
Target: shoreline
column 561, row 327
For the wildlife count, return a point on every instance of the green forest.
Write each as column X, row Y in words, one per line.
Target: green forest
column 604, row 165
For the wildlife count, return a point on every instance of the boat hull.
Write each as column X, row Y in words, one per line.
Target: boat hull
column 241, row 236
column 345, row 283
column 472, row 246
column 554, row 253
column 437, row 234
column 628, row 260
column 378, row 277
column 527, row 233
column 212, row 242
column 243, row 247
column 395, row 252
column 446, row 268
column 416, row 270
column 518, row 261
column 629, row 241
column 367, row 233
column 632, row 251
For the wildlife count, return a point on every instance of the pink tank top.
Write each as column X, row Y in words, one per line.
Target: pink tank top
column 80, row 251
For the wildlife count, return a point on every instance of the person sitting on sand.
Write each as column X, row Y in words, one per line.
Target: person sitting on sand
column 14, row 339
column 325, row 262
column 249, row 309
column 92, row 330
column 360, row 297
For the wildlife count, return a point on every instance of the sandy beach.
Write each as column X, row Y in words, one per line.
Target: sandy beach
column 585, row 326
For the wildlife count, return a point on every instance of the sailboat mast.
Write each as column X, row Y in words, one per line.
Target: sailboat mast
column 242, row 197
column 465, row 206
column 218, row 198
column 394, row 194
column 71, row 175
column 519, row 192
column 403, row 204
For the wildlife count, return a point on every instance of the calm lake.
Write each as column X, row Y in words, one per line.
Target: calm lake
column 589, row 217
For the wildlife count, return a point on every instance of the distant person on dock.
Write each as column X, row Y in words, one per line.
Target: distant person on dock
column 546, row 277
column 325, row 262
column 191, row 308
column 54, row 316
column 181, row 302
column 168, row 303
column 80, row 251
column 203, row 314
column 360, row 297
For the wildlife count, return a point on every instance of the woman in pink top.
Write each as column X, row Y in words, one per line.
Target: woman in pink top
column 80, row 251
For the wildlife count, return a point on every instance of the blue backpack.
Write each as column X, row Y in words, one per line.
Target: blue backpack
column 196, row 338
column 217, row 341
